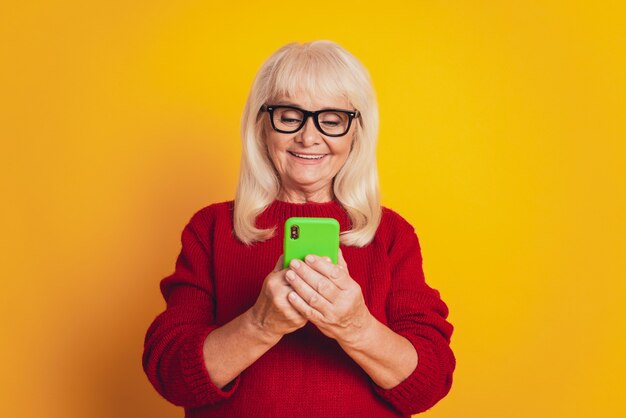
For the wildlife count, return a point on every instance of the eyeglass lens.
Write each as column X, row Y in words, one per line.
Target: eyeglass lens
column 329, row 122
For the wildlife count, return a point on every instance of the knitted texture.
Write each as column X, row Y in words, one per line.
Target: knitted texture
column 306, row 374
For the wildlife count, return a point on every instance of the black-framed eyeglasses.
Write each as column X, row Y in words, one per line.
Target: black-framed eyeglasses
column 330, row 122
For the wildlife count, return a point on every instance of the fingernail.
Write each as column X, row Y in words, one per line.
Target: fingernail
column 310, row 258
column 295, row 263
column 290, row 275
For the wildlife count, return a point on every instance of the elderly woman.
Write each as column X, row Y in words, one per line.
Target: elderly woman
column 244, row 337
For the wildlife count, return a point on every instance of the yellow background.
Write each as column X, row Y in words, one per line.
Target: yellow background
column 502, row 142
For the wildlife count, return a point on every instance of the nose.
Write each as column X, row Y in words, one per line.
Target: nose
column 308, row 135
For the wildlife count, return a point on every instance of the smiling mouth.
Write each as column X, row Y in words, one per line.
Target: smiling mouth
column 307, row 156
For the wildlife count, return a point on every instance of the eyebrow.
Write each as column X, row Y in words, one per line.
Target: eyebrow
column 288, row 103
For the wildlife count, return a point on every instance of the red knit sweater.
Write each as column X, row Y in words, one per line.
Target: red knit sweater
column 306, row 374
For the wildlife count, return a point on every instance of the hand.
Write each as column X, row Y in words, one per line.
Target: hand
column 326, row 295
column 272, row 313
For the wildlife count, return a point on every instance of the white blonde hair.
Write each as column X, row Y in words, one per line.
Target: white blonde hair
column 319, row 67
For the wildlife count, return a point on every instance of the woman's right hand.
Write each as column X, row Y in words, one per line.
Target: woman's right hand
column 272, row 313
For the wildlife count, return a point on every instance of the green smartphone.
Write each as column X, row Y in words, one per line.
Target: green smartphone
column 304, row 236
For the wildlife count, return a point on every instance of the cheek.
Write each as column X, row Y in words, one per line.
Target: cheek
column 275, row 156
column 276, row 150
column 343, row 150
column 271, row 144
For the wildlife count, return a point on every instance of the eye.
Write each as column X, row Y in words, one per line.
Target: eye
column 287, row 120
column 289, row 116
column 332, row 119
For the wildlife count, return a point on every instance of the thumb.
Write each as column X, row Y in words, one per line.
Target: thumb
column 279, row 264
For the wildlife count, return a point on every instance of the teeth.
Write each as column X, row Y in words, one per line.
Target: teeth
column 308, row 157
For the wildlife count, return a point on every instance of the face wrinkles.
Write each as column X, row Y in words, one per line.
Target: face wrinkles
column 307, row 161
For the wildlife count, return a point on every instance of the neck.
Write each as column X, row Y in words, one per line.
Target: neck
column 305, row 196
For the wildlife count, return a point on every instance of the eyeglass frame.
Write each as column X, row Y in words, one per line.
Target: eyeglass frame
column 315, row 115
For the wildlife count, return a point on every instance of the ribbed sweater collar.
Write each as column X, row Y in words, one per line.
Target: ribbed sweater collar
column 279, row 211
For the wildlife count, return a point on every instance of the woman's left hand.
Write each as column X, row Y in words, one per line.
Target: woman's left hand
column 326, row 295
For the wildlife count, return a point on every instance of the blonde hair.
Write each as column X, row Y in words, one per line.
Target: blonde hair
column 319, row 67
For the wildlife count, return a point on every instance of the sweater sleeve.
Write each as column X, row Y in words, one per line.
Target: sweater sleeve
column 173, row 356
column 416, row 311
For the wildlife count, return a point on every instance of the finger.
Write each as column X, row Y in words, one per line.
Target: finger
column 340, row 260
column 316, row 279
column 279, row 264
column 306, row 292
column 334, row 273
column 304, row 308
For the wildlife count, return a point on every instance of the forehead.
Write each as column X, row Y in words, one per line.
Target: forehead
column 310, row 101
